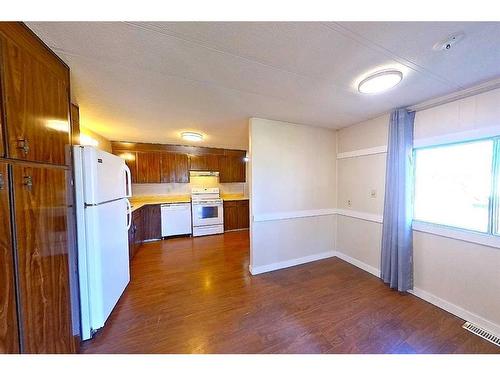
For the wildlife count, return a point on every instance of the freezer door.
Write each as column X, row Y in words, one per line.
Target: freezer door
column 105, row 176
column 104, row 266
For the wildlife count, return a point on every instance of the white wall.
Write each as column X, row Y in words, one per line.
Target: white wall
column 462, row 277
column 292, row 173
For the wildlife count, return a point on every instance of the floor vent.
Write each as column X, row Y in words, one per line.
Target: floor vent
column 482, row 333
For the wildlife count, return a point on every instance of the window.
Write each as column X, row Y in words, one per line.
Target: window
column 454, row 185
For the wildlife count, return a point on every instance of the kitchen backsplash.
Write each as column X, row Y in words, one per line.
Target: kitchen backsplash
column 185, row 189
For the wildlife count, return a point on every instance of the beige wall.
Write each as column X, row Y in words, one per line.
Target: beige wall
column 292, row 169
column 461, row 275
column 474, row 116
column 103, row 143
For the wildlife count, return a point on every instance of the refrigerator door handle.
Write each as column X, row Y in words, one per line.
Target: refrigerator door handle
column 128, row 175
column 129, row 214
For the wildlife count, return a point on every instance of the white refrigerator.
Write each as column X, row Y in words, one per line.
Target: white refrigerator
column 102, row 185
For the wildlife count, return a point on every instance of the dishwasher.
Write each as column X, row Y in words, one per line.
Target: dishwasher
column 175, row 219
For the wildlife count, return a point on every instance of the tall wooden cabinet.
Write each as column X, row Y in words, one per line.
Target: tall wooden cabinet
column 9, row 340
column 36, row 92
column 35, row 164
column 40, row 209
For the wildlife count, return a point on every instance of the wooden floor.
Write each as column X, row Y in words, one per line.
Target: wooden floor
column 197, row 296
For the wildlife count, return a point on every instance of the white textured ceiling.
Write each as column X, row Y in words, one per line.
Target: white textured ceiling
column 148, row 81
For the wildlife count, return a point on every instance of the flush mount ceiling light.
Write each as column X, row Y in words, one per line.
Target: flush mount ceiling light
column 192, row 136
column 380, row 81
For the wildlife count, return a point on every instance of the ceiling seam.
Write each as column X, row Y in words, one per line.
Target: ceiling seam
column 341, row 29
column 202, row 83
column 205, row 45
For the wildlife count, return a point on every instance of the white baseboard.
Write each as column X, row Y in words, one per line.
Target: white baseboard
column 290, row 263
column 365, row 267
column 431, row 298
column 457, row 311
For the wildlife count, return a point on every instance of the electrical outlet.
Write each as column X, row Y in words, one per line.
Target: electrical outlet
column 373, row 193
column 349, row 203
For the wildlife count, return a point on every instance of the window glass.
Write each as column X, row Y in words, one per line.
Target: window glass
column 453, row 184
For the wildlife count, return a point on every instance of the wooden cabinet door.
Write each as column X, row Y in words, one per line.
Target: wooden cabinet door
column 197, row 163
column 243, row 214
column 2, row 123
column 238, row 168
column 131, row 239
column 152, row 221
column 230, row 215
column 148, row 167
column 36, row 97
column 137, row 219
column 232, row 167
column 174, row 167
column 41, row 207
column 9, row 340
column 225, row 171
column 204, row 163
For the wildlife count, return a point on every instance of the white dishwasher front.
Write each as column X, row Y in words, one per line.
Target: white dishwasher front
column 175, row 219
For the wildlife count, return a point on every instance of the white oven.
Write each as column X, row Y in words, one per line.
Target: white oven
column 207, row 211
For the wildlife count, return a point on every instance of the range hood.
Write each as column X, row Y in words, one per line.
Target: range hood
column 203, row 174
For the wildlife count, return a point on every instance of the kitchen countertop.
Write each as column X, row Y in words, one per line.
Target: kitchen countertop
column 233, row 197
column 138, row 202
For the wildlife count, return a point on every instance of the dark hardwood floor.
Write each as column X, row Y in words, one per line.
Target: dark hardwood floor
column 196, row 296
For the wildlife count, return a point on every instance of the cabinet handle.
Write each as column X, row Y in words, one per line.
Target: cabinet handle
column 1, row 181
column 28, row 182
column 23, row 145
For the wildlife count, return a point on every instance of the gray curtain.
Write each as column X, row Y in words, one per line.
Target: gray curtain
column 397, row 240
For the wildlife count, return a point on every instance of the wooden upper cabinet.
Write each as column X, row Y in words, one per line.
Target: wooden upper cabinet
column 204, row 162
column 35, row 97
column 9, row 341
column 174, row 167
column 233, row 167
column 156, row 163
column 148, row 167
column 130, row 158
column 41, row 211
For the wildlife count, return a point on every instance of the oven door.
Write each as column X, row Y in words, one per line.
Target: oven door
column 207, row 214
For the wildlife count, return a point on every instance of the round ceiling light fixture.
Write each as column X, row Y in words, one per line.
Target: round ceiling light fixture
column 380, row 81
column 192, row 136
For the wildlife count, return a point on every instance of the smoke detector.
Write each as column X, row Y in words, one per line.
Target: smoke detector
column 449, row 42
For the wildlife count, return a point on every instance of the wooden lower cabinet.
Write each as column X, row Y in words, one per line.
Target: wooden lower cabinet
column 41, row 209
column 133, row 234
column 152, row 221
column 9, row 340
column 146, row 225
column 236, row 215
